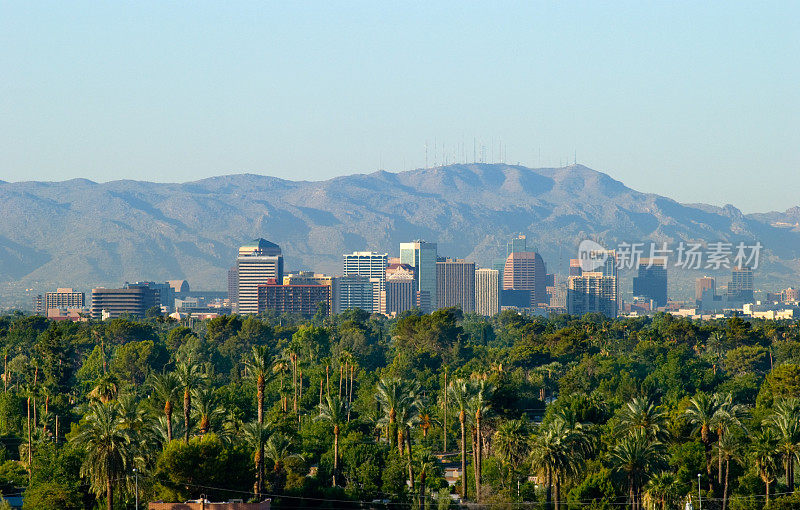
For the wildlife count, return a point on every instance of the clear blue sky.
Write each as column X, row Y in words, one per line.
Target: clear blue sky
column 699, row 101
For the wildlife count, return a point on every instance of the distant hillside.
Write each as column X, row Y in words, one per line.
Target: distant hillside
column 82, row 234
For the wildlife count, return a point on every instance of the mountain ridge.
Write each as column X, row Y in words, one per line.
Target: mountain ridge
column 82, row 233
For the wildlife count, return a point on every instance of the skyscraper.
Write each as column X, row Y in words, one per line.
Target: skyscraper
column 63, row 298
column 353, row 292
column 741, row 286
column 369, row 264
column 487, row 292
column 651, row 281
column 299, row 299
column 422, row 256
column 258, row 262
column 704, row 285
column 455, row 284
column 134, row 300
column 526, row 271
column 399, row 294
column 590, row 292
column 516, row 244
column 233, row 285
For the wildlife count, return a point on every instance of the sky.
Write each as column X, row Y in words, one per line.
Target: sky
column 698, row 101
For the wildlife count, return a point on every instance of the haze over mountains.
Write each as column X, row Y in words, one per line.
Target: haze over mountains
column 83, row 234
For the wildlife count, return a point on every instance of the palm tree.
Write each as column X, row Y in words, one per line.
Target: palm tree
column 426, row 462
column 259, row 367
column 190, row 376
column 389, row 394
column 206, row 408
column 510, row 443
column 459, row 393
column 108, row 450
column 763, row 451
column 105, row 389
column 166, row 388
column 726, row 418
column 334, row 411
column 278, row 449
column 479, row 405
column 642, row 414
column 255, row 434
column 636, row 455
column 785, row 422
column 728, row 449
column 702, row 414
column 661, row 489
column 558, row 450
column 407, row 417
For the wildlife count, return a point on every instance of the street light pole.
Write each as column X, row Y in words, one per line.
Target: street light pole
column 699, row 494
column 136, row 483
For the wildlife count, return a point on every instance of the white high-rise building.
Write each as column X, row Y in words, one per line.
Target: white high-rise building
column 487, row 292
column 369, row 264
column 259, row 262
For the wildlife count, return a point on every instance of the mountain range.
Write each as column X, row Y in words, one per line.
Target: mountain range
column 85, row 234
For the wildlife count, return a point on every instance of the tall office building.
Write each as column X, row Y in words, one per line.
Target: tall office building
column 369, row 264
column 422, row 257
column 455, row 284
column 499, row 265
column 353, row 292
column 487, row 291
column 526, row 271
column 165, row 291
column 312, row 278
column 516, row 244
column 741, row 286
column 592, row 292
column 399, row 294
column 133, row 300
column 651, row 281
column 575, row 267
column 704, row 285
column 64, row 299
column 233, row 286
column 296, row 299
column 257, row 263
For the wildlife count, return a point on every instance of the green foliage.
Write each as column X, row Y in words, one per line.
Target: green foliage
column 599, row 403
column 186, row 470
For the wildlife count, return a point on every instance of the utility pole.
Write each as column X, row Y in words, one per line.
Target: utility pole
column 699, row 494
column 136, row 484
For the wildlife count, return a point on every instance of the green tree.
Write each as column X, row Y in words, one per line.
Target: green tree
column 728, row 449
column 166, row 388
column 636, row 455
column 109, row 455
column 642, row 414
column 479, row 406
column 558, row 451
column 255, row 436
column 333, row 411
column 459, row 393
column 785, row 423
column 259, row 367
column 764, row 450
column 703, row 413
column 190, row 376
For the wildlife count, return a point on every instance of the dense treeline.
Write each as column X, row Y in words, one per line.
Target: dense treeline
column 337, row 411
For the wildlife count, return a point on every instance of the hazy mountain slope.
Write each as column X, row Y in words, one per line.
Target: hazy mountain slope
column 82, row 233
